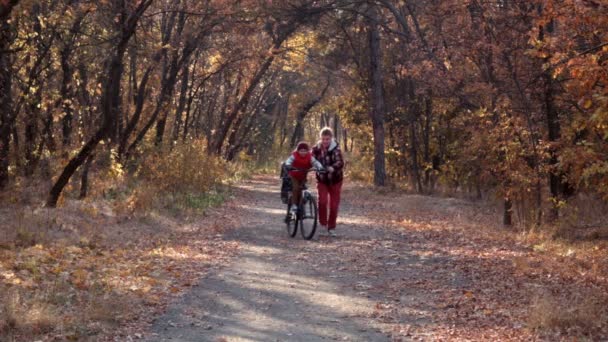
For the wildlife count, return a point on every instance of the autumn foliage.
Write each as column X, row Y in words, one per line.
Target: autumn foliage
column 150, row 108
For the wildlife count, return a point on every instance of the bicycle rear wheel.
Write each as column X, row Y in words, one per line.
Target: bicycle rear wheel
column 291, row 222
column 308, row 216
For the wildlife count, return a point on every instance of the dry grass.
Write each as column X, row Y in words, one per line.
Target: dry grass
column 579, row 314
column 90, row 271
column 360, row 171
column 25, row 316
column 185, row 168
column 87, row 268
column 28, row 313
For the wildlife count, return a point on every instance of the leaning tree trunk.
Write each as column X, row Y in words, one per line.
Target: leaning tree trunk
column 377, row 98
column 298, row 132
column 139, row 106
column 110, row 101
column 239, row 109
column 241, row 105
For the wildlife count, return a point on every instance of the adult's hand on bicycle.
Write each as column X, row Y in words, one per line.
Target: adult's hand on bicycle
column 301, row 170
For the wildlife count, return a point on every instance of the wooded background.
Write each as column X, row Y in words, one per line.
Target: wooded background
column 500, row 99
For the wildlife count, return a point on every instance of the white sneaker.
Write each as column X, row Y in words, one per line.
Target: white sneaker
column 322, row 230
column 332, row 233
column 293, row 210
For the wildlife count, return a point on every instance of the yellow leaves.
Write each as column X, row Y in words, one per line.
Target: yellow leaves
column 98, row 89
column 42, row 22
column 116, row 170
column 585, row 103
column 297, row 48
column 447, row 64
column 214, row 61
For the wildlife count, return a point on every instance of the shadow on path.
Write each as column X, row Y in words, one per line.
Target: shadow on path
column 277, row 289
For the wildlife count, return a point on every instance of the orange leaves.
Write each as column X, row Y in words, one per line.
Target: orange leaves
column 585, row 103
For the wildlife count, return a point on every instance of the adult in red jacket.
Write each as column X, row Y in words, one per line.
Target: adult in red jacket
column 329, row 184
column 300, row 160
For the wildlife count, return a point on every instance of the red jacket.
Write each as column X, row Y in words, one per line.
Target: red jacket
column 300, row 162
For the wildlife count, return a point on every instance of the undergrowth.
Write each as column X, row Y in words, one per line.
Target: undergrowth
column 90, row 265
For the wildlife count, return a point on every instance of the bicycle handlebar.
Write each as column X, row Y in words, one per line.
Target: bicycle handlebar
column 305, row 170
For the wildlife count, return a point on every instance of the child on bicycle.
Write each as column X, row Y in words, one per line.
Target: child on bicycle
column 298, row 163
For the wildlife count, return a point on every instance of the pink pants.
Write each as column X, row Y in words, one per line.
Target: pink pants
column 331, row 193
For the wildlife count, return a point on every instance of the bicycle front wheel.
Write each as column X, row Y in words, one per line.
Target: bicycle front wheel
column 291, row 222
column 308, row 217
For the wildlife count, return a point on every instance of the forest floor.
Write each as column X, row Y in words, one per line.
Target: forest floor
column 404, row 267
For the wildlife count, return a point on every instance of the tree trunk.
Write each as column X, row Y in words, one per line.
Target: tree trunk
column 555, row 176
column 84, row 180
column 336, row 128
column 6, row 101
column 284, row 32
column 6, row 8
column 139, row 105
column 377, row 98
column 31, row 132
column 34, row 100
column 110, row 100
column 298, row 132
column 177, row 64
column 73, row 165
column 427, row 140
column 67, row 92
column 507, row 218
column 241, row 105
column 191, row 97
column 236, row 142
column 414, row 154
column 183, row 96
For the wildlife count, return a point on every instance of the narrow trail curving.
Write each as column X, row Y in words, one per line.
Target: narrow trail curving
column 277, row 288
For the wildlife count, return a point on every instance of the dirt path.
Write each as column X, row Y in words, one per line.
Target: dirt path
column 277, row 289
column 405, row 267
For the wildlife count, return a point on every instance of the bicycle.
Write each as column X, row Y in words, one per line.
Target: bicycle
column 306, row 215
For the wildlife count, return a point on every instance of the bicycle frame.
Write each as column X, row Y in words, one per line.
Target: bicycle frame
column 306, row 198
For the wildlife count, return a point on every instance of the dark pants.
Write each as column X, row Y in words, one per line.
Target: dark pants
column 296, row 190
column 331, row 194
